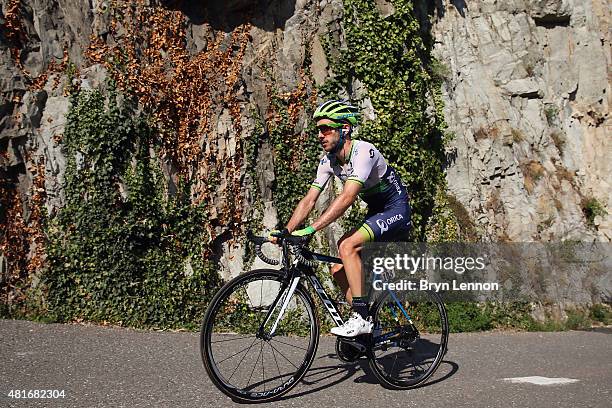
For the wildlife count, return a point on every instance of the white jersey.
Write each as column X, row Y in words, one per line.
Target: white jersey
column 366, row 166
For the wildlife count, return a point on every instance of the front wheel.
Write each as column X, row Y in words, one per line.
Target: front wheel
column 409, row 339
column 242, row 356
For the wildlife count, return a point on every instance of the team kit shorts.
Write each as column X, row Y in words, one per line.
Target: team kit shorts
column 391, row 223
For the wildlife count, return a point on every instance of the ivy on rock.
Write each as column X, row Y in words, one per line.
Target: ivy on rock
column 391, row 57
column 120, row 251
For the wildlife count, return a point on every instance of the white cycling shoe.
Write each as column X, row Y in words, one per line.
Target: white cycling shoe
column 354, row 326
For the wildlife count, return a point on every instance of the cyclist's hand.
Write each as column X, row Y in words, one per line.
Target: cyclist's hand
column 274, row 234
column 305, row 232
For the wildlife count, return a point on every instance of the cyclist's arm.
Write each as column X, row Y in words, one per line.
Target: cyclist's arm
column 339, row 205
column 364, row 159
column 303, row 208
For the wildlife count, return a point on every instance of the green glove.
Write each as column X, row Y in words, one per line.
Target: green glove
column 304, row 232
column 272, row 233
column 273, row 238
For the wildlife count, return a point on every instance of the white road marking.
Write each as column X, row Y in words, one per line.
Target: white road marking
column 541, row 380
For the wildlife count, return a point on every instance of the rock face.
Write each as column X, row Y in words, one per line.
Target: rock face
column 32, row 118
column 527, row 95
column 528, row 99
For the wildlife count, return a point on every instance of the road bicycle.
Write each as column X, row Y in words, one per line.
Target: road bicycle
column 260, row 332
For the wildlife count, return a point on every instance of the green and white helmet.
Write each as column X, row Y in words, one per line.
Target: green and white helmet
column 338, row 111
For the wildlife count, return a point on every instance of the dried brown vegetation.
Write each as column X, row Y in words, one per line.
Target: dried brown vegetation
column 532, row 172
column 184, row 94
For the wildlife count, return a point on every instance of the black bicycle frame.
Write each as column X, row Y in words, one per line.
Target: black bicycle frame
column 295, row 272
column 329, row 305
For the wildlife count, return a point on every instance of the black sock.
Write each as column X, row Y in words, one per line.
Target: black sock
column 360, row 305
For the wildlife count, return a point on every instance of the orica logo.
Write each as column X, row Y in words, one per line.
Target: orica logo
column 395, row 218
column 382, row 225
column 394, row 183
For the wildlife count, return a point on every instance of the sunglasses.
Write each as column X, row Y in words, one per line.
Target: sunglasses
column 325, row 129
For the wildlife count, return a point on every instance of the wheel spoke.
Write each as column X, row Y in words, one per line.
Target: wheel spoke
column 236, row 338
column 394, row 362
column 287, row 344
column 263, row 368
column 254, row 366
column 240, row 362
column 247, row 348
column 282, row 355
column 247, row 297
column 276, row 362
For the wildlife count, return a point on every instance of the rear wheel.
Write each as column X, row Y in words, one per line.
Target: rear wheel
column 241, row 357
column 409, row 338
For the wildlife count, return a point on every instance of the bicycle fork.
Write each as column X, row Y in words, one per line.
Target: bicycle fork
column 283, row 299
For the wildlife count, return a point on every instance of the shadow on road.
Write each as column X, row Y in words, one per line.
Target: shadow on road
column 454, row 368
column 328, row 376
column 320, row 378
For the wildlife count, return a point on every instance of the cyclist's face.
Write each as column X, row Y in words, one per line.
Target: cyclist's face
column 328, row 136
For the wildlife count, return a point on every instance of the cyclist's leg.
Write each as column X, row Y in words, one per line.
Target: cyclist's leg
column 339, row 275
column 392, row 224
column 350, row 253
column 375, row 227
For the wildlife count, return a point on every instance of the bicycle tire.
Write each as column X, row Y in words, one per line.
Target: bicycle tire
column 414, row 351
column 245, row 316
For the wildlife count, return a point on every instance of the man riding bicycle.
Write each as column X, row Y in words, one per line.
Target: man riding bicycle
column 365, row 173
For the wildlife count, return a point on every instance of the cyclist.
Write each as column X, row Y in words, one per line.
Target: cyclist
column 365, row 173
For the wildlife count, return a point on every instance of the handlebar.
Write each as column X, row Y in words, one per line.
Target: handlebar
column 294, row 243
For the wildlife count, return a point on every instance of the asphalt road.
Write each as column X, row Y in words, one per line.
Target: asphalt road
column 106, row 366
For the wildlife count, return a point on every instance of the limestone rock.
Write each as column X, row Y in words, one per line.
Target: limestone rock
column 385, row 8
column 520, row 75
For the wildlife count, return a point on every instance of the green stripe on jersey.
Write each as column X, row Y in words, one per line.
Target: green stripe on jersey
column 355, row 179
column 378, row 188
column 367, row 232
column 315, row 185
